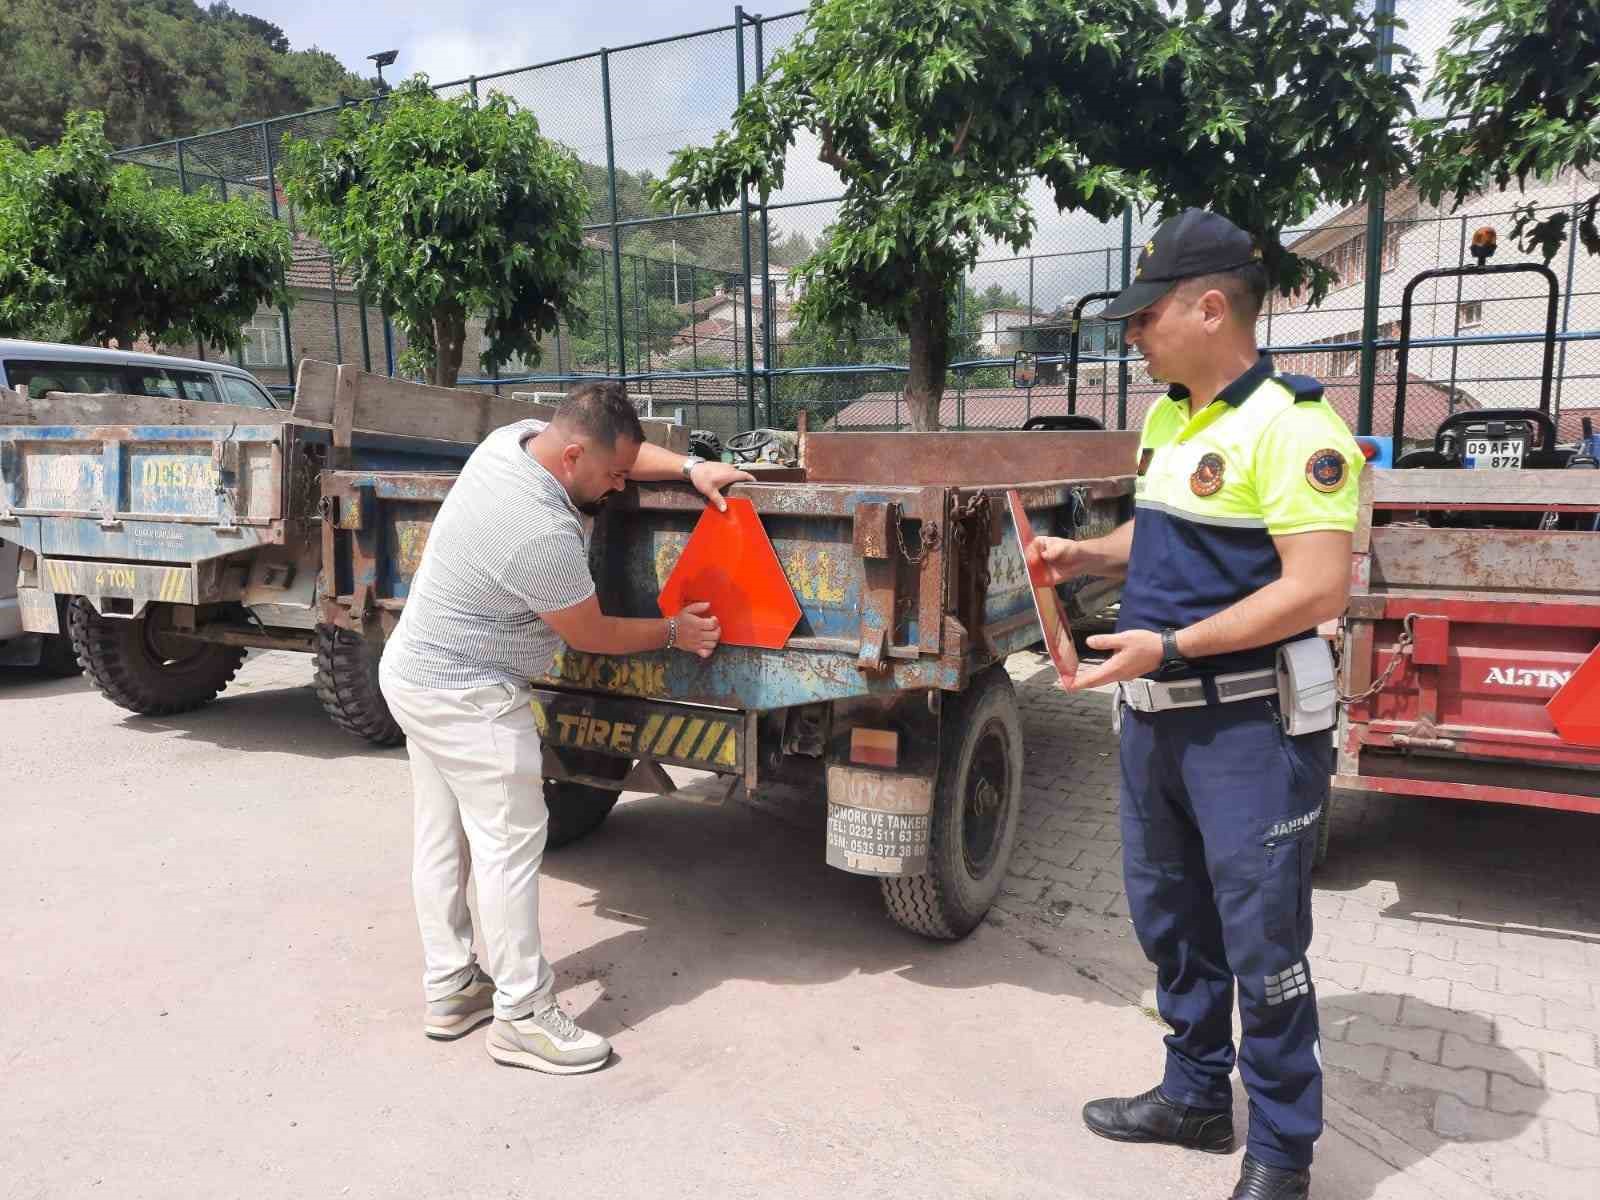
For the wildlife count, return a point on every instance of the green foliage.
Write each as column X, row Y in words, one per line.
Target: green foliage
column 650, row 318
column 441, row 209
column 875, row 341
column 90, row 251
column 156, row 68
column 936, row 114
column 1263, row 111
column 1520, row 83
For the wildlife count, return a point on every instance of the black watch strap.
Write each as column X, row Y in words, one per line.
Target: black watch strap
column 1169, row 647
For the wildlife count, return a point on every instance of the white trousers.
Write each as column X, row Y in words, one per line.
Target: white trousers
column 478, row 797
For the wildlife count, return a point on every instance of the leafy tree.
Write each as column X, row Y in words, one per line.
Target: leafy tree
column 156, row 68
column 440, row 209
column 993, row 296
column 935, row 115
column 1520, row 83
column 93, row 252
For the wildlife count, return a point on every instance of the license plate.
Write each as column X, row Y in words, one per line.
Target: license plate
column 1495, row 454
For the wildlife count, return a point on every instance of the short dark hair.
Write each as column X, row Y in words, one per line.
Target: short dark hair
column 602, row 411
column 1245, row 287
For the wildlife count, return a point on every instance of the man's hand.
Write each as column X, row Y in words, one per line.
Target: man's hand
column 698, row 631
column 709, row 478
column 1055, row 560
column 1134, row 653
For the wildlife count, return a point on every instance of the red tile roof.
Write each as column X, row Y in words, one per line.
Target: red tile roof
column 1427, row 403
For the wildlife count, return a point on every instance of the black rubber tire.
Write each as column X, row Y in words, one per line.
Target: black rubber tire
column 57, row 656
column 347, row 686
column 578, row 809
column 1324, row 833
column 977, row 799
column 139, row 667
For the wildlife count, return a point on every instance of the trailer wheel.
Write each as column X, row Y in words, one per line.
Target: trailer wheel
column 976, row 800
column 142, row 666
column 1324, row 832
column 57, row 655
column 578, row 809
column 347, row 686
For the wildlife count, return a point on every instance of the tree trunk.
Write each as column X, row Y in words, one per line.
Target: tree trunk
column 449, row 339
column 930, row 352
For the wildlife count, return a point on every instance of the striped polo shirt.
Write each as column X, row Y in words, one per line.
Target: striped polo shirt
column 506, row 545
column 1267, row 458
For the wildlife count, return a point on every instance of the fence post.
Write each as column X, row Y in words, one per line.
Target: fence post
column 1384, row 14
column 272, row 191
column 1566, row 304
column 1122, row 354
column 768, row 304
column 1455, row 326
column 605, row 313
column 744, row 239
column 961, row 332
column 333, row 293
column 366, row 337
column 616, row 236
column 183, row 176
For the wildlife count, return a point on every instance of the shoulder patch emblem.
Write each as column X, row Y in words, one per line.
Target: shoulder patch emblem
column 1326, row 470
column 1207, row 477
column 1145, row 456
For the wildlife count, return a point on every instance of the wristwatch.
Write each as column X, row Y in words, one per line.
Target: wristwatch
column 690, row 462
column 1171, row 656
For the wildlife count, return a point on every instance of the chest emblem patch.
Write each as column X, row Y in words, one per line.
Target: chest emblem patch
column 1325, row 470
column 1207, row 477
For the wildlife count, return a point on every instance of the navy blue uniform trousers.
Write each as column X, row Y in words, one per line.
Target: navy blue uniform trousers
column 1219, row 826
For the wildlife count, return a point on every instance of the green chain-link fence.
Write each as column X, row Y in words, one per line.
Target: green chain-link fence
column 696, row 311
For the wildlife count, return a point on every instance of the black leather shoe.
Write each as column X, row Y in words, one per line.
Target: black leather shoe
column 1153, row 1118
column 1257, row 1181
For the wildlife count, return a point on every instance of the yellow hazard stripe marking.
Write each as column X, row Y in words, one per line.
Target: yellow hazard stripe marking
column 686, row 742
column 664, row 746
column 678, row 737
column 651, row 728
column 712, row 740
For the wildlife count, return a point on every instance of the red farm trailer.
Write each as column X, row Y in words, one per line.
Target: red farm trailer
column 1468, row 657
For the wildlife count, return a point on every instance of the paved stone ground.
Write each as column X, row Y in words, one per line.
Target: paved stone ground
column 1456, row 954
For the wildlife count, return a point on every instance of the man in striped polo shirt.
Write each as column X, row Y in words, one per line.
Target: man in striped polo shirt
column 503, row 582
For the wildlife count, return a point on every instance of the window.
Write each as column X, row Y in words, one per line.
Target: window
column 263, row 341
column 41, row 378
column 1469, row 314
column 242, row 391
column 177, row 384
column 1393, row 230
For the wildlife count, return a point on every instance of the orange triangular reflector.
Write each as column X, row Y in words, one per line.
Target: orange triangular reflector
column 1575, row 708
column 730, row 563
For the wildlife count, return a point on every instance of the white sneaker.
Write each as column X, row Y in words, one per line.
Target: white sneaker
column 459, row 1014
column 547, row 1040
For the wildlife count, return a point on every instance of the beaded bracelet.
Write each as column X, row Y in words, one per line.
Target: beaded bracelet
column 672, row 632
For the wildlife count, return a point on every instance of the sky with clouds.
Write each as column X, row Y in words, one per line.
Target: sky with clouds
column 678, row 94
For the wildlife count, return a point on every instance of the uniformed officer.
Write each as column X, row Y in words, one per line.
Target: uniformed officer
column 1239, row 548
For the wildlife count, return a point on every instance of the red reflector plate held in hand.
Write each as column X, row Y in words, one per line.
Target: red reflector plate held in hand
column 1046, row 603
column 730, row 563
